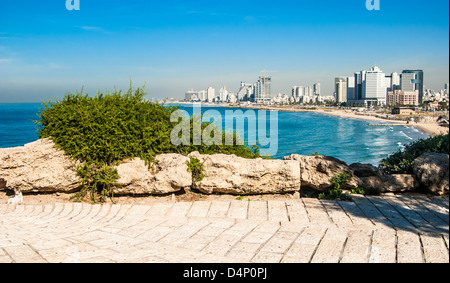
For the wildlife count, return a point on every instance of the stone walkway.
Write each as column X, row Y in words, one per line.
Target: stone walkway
column 370, row 229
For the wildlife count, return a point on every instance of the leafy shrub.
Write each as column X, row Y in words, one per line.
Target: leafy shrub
column 339, row 182
column 196, row 168
column 402, row 161
column 103, row 130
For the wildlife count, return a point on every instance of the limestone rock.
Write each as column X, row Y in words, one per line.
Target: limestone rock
column 432, row 171
column 365, row 170
column 167, row 175
column 38, row 167
column 2, row 183
column 391, row 183
column 235, row 175
column 317, row 171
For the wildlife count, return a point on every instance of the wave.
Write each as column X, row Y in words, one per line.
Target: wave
column 408, row 137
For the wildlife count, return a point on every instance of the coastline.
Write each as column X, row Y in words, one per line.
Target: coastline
column 431, row 128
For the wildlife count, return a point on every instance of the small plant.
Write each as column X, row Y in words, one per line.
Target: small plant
column 239, row 197
column 359, row 191
column 339, row 182
column 96, row 179
column 196, row 168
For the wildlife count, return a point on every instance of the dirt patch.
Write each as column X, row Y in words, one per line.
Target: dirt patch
column 182, row 196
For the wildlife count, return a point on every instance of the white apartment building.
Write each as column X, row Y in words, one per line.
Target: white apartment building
column 340, row 89
column 375, row 88
column 211, row 94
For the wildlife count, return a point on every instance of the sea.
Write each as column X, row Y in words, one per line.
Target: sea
column 305, row 133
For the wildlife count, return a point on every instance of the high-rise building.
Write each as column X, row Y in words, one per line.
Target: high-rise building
column 295, row 91
column 316, row 89
column 413, row 77
column 211, row 94
column 191, row 95
column 395, row 81
column 246, row 92
column 375, row 89
column 340, row 86
column 360, row 77
column 351, row 92
column 446, row 89
column 263, row 90
column 223, row 94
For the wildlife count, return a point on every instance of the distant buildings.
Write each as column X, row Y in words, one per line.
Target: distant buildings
column 340, row 89
column 211, row 94
column 412, row 80
column 191, row 95
column 246, row 92
column 317, row 89
column 375, row 88
column 351, row 91
column 263, row 90
column 402, row 98
column 368, row 88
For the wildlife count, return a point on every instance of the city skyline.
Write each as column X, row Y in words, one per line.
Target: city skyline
column 47, row 51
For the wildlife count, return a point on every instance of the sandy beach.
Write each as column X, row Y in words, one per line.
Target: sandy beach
column 431, row 128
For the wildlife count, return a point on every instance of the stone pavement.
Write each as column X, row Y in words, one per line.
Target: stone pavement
column 388, row 229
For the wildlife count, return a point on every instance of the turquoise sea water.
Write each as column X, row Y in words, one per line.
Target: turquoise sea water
column 304, row 133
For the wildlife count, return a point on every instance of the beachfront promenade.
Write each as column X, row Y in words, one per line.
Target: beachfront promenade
column 389, row 229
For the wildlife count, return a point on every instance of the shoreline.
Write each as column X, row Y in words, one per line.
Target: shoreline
column 431, row 128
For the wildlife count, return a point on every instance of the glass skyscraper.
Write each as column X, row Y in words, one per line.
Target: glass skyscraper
column 417, row 81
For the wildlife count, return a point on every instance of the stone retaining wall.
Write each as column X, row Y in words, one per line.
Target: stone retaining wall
column 42, row 167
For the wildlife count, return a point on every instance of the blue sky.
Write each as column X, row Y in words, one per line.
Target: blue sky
column 172, row 46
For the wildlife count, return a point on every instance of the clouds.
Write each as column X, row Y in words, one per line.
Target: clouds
column 5, row 60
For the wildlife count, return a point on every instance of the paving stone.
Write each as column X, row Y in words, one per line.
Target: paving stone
column 304, row 247
column 296, row 211
column 331, row 246
column 371, row 229
column 383, row 248
column 409, row 248
column 277, row 211
column 357, row 247
column 434, row 248
column 257, row 210
column 238, row 209
column 218, row 209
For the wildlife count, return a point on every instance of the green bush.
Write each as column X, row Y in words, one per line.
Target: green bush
column 103, row 130
column 339, row 182
column 196, row 168
column 402, row 161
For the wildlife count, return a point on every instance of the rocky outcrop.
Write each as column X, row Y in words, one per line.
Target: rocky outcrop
column 42, row 167
column 167, row 174
column 365, row 170
column 432, row 171
column 235, row 175
column 37, row 167
column 2, row 183
column 390, row 183
column 317, row 171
